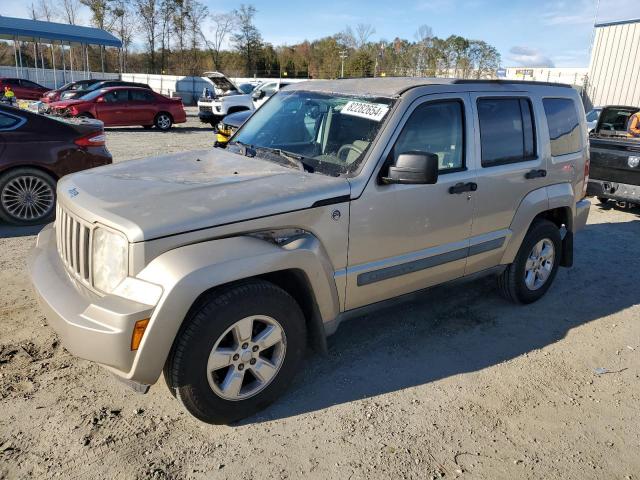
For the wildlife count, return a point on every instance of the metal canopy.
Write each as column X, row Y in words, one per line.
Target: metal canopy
column 26, row 30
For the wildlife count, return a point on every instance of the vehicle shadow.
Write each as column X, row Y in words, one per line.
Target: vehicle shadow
column 174, row 129
column 12, row 231
column 465, row 327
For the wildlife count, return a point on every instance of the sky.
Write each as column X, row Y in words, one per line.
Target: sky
column 526, row 33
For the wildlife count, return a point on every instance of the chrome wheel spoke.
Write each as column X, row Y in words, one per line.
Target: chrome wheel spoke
column 263, row 370
column 243, row 330
column 530, row 279
column 232, row 382
column 268, row 337
column 220, row 358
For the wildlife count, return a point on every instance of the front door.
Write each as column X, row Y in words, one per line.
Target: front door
column 404, row 238
column 111, row 110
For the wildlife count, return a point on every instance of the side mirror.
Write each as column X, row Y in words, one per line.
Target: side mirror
column 258, row 95
column 414, row 168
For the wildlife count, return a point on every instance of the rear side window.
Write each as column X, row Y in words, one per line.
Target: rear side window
column 564, row 127
column 506, row 130
column 141, row 96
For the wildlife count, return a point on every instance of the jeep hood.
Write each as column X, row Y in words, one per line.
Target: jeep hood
column 159, row 196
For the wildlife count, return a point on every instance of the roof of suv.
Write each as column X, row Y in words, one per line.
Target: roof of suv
column 395, row 86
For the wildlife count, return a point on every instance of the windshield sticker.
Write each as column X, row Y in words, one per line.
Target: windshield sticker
column 371, row 111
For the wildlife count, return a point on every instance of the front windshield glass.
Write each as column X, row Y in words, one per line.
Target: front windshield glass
column 328, row 133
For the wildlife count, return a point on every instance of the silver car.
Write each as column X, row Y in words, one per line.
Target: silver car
column 219, row 268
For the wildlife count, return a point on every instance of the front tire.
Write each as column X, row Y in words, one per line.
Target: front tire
column 237, row 352
column 163, row 121
column 27, row 197
column 529, row 277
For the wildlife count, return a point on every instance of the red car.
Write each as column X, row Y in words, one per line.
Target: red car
column 24, row 89
column 124, row 106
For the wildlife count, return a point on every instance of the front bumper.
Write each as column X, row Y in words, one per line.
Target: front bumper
column 92, row 327
column 615, row 191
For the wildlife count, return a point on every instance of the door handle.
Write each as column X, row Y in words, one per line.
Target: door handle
column 463, row 187
column 535, row 174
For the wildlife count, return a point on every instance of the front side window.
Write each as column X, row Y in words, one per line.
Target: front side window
column 506, row 130
column 564, row 127
column 116, row 96
column 436, row 127
column 330, row 133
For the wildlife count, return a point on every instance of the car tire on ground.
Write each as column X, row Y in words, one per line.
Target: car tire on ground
column 529, row 277
column 163, row 121
column 237, row 351
column 27, row 197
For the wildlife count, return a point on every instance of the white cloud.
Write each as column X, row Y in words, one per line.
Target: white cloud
column 529, row 57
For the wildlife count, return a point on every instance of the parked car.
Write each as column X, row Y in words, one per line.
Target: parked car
column 266, row 91
column 71, row 94
column 615, row 158
column 54, row 95
column 36, row 151
column 24, row 89
column 122, row 106
column 225, row 98
column 229, row 125
column 592, row 118
column 217, row 267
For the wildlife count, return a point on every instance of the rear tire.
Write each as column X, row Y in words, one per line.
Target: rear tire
column 27, row 197
column 163, row 121
column 207, row 369
column 529, row 277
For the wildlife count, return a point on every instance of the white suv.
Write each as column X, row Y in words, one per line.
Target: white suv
column 223, row 99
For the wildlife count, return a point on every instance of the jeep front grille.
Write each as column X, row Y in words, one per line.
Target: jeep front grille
column 206, row 108
column 73, row 237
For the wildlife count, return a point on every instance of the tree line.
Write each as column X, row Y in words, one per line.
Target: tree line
column 182, row 37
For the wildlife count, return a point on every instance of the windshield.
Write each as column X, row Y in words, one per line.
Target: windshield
column 245, row 87
column 329, row 133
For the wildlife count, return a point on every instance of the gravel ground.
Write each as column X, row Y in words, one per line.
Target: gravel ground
column 456, row 384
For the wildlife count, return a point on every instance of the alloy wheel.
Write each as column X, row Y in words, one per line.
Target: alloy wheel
column 164, row 122
column 246, row 358
column 539, row 264
column 28, row 198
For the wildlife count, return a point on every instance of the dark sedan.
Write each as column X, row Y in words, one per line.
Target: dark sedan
column 69, row 94
column 35, row 151
column 54, row 95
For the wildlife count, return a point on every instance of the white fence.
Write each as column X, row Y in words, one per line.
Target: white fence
column 189, row 88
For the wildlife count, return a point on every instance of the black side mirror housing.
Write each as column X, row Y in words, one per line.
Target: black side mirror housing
column 414, row 168
column 258, row 95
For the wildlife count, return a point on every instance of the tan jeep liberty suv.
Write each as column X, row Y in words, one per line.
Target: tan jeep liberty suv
column 220, row 267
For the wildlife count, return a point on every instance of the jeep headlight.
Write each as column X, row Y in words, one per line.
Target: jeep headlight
column 110, row 259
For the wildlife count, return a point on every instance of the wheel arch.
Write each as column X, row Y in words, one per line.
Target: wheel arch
column 236, row 109
column 555, row 203
column 189, row 274
column 40, row 168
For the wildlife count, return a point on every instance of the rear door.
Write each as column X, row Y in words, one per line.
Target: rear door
column 141, row 108
column 511, row 165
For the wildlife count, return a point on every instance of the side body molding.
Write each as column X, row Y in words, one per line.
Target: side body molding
column 189, row 271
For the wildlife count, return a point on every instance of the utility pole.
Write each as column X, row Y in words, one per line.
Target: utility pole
column 343, row 55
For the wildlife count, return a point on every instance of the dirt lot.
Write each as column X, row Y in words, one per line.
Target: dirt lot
column 458, row 384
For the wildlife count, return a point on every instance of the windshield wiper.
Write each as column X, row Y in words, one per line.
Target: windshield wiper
column 245, row 149
column 293, row 158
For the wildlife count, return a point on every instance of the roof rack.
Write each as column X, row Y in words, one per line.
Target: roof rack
column 512, row 82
